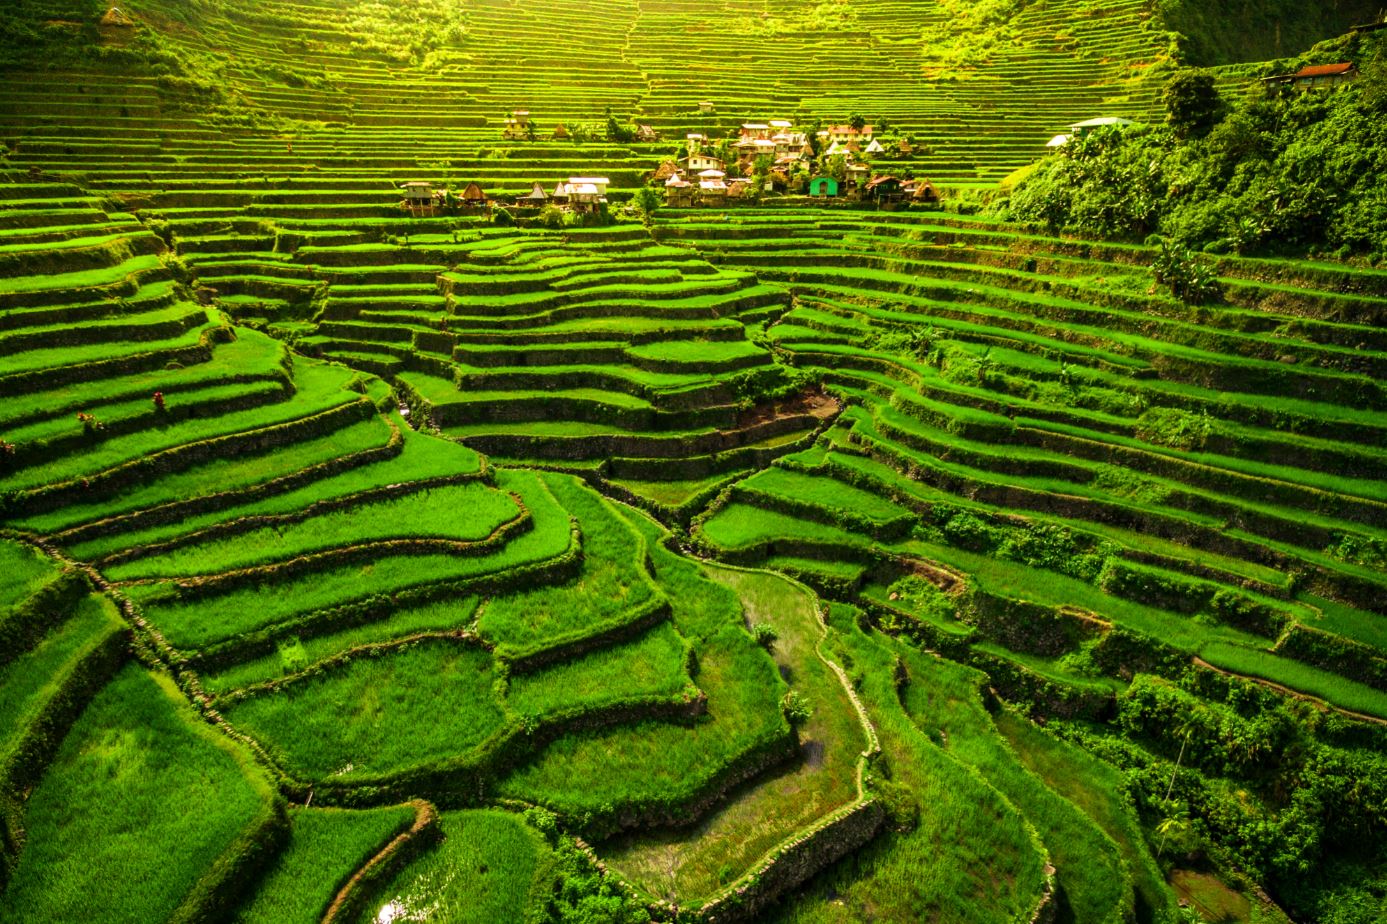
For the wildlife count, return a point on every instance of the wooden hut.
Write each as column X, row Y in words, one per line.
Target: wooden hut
column 473, row 198
column 536, row 198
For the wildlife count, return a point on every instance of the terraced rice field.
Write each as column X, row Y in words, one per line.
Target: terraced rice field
column 443, row 568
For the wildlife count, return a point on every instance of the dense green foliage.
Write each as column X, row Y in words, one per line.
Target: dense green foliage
column 1282, row 171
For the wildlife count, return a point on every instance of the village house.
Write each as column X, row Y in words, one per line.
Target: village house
column 823, row 187
column 846, row 134
column 886, row 192
column 705, row 105
column 712, row 189
column 698, row 161
column 752, row 131
column 1317, row 77
column 587, row 193
column 679, row 192
column 517, row 126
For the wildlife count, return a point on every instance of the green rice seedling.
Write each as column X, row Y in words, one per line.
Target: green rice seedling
column 197, row 621
column 1097, row 790
column 326, row 846
column 34, row 678
column 453, row 513
column 697, row 864
column 421, row 458
column 23, row 570
column 447, row 615
column 379, row 714
column 925, row 867
column 943, row 700
column 489, row 866
column 655, row 763
column 139, row 771
column 612, row 584
column 320, row 388
column 1256, row 662
column 741, row 526
column 654, row 666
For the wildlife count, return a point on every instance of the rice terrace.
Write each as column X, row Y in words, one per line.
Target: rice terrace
column 644, row 460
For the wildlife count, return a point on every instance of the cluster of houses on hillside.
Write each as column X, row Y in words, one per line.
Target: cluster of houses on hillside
column 770, row 156
column 577, row 194
column 784, row 159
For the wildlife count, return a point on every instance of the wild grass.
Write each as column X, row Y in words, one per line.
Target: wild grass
column 326, row 846
column 489, row 867
column 380, row 714
column 137, row 773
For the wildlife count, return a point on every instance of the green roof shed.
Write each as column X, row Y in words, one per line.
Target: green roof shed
column 823, row 186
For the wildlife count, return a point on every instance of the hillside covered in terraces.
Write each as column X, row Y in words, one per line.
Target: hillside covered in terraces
column 526, row 460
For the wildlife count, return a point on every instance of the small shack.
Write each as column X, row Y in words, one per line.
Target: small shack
column 923, row 192
column 116, row 18
column 645, row 134
column 560, row 133
column 823, row 186
column 705, row 105
column 874, row 147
